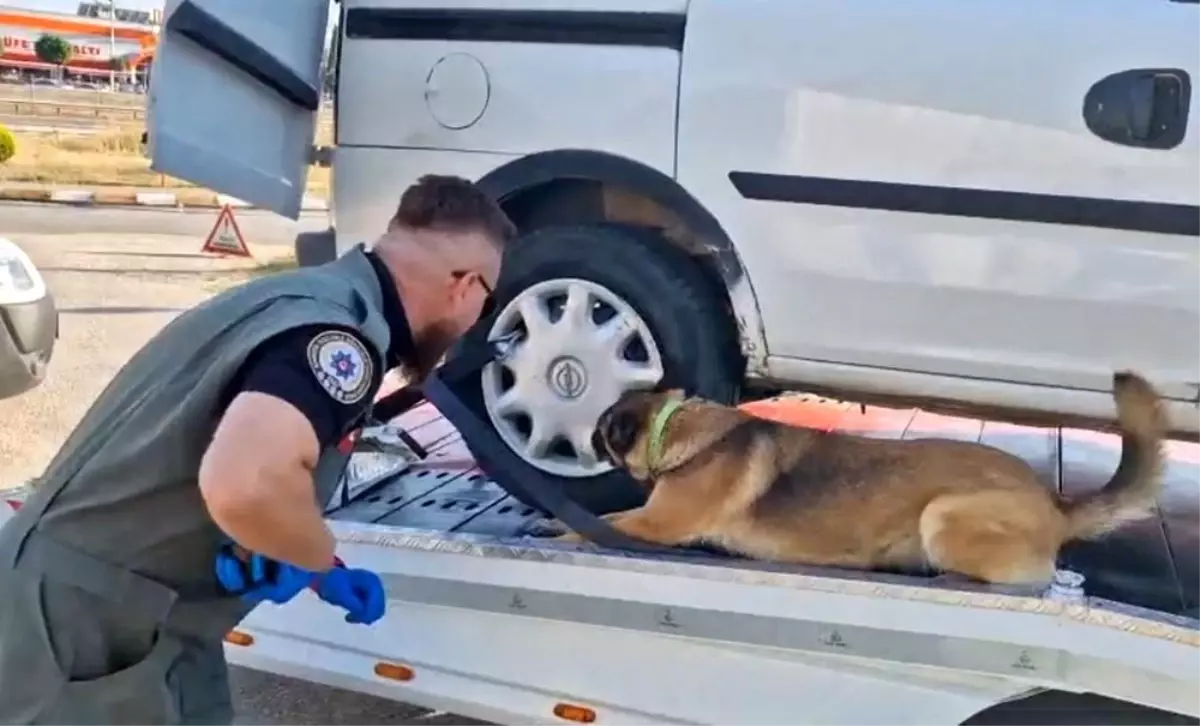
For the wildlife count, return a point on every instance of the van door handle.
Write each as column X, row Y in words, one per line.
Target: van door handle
column 1146, row 108
column 1141, row 107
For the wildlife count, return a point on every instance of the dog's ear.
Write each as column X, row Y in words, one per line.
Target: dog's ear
column 621, row 431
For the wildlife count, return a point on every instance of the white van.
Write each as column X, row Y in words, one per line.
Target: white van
column 987, row 205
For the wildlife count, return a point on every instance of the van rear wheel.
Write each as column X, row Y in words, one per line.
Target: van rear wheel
column 591, row 312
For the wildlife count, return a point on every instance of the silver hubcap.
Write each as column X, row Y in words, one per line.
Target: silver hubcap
column 575, row 348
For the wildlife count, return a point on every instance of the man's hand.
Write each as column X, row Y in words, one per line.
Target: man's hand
column 359, row 592
column 256, row 480
column 256, row 578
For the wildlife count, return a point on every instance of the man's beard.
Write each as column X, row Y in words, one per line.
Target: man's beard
column 429, row 349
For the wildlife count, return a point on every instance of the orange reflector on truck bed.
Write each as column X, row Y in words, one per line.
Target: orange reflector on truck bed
column 394, row 671
column 237, row 637
column 571, row 712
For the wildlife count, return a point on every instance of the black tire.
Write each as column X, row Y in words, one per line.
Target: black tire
column 686, row 311
column 1058, row 708
column 315, row 248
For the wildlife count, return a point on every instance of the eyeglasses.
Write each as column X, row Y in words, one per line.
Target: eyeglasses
column 477, row 277
column 489, row 301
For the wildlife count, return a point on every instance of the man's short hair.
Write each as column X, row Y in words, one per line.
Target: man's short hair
column 452, row 204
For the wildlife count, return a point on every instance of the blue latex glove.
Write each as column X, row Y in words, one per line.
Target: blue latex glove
column 359, row 592
column 260, row 578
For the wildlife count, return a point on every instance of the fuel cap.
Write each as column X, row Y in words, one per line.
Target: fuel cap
column 457, row 91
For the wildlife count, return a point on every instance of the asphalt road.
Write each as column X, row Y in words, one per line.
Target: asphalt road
column 118, row 275
column 260, row 228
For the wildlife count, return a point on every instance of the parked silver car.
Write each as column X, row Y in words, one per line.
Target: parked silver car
column 28, row 322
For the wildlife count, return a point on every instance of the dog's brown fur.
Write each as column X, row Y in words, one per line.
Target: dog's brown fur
column 782, row 493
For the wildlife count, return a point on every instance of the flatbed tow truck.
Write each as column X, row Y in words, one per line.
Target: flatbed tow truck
column 991, row 205
column 487, row 622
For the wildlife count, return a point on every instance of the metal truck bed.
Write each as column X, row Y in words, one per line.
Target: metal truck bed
column 490, row 624
column 1153, row 564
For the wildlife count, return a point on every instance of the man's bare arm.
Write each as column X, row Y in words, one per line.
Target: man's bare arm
column 257, row 481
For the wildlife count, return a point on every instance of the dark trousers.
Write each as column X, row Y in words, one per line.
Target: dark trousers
column 68, row 656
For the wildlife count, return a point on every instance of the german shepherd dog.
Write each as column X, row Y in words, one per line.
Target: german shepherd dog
column 771, row 491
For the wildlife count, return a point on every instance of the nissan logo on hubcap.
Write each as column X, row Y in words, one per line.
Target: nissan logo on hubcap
column 568, row 378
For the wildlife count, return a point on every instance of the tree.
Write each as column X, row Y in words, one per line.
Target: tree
column 8, row 145
column 54, row 50
column 121, row 65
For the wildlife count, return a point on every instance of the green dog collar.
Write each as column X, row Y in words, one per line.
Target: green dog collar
column 658, row 428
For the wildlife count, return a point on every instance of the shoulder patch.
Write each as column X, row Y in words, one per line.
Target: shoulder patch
column 342, row 365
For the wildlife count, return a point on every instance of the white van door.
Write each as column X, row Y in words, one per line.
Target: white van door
column 999, row 190
column 234, row 94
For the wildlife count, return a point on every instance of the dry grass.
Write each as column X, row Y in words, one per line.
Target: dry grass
column 111, row 157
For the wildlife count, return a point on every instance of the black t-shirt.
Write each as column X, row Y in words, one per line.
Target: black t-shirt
column 329, row 373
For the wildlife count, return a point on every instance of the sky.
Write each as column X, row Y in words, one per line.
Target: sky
column 70, row 6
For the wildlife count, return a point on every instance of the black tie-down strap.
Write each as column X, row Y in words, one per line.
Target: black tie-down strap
column 507, row 469
column 397, row 403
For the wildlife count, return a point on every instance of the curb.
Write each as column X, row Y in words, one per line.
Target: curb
column 185, row 199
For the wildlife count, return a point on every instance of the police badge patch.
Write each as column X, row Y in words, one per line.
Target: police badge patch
column 342, row 365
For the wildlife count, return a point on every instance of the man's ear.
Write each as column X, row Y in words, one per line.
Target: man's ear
column 458, row 287
column 621, row 431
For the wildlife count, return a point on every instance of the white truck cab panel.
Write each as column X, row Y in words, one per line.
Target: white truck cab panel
column 488, row 89
column 932, row 199
column 914, row 186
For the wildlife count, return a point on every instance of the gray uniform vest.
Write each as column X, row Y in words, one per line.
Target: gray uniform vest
column 118, row 512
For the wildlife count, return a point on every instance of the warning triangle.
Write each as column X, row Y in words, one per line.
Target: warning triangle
column 226, row 238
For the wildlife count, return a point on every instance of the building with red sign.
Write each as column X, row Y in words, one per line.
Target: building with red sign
column 95, row 42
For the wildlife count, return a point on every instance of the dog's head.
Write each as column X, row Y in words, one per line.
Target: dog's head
column 623, row 431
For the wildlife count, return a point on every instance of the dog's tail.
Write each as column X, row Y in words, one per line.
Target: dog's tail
column 1133, row 490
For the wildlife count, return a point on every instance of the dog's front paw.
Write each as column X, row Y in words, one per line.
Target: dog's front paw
column 546, row 528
